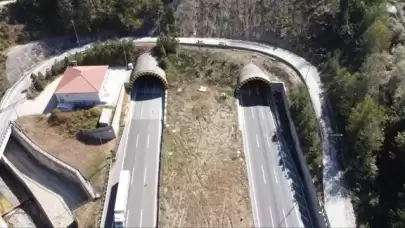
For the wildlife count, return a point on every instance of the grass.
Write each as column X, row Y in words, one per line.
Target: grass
column 191, row 65
column 72, row 122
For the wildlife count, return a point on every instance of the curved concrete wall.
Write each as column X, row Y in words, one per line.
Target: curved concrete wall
column 251, row 72
column 146, row 64
column 97, row 136
column 52, row 163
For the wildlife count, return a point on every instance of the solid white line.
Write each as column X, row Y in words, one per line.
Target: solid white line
column 261, row 112
column 137, row 139
column 285, row 219
column 267, row 140
column 250, row 170
column 141, row 218
column 253, row 115
column 144, row 176
column 264, row 177
column 147, row 142
column 132, row 175
column 131, row 107
column 141, row 110
column 257, row 141
column 298, row 217
column 275, row 174
column 271, row 217
column 126, row 225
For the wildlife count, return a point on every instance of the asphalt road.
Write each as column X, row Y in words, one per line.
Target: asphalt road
column 142, row 154
column 277, row 199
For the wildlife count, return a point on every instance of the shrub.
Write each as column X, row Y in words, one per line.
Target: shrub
column 39, row 84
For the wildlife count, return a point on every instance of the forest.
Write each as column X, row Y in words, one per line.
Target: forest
column 358, row 46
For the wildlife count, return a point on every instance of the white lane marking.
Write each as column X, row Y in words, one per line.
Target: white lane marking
column 137, row 139
column 298, row 217
column 144, row 177
column 141, row 218
column 275, row 174
column 147, row 142
column 271, row 217
column 267, row 140
column 264, row 176
column 261, row 112
column 285, row 219
column 132, row 175
column 257, row 141
column 141, row 110
column 126, row 223
column 253, row 192
column 253, row 115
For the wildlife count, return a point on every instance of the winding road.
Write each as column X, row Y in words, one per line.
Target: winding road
column 340, row 208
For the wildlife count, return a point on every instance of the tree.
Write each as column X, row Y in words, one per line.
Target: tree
column 378, row 36
column 365, row 137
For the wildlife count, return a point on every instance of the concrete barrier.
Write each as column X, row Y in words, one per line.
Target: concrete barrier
column 53, row 221
column 51, row 162
column 316, row 206
column 2, row 223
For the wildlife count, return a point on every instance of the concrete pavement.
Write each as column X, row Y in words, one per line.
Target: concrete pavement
column 142, row 155
column 275, row 200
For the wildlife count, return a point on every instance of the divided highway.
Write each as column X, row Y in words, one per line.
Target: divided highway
column 142, row 153
column 277, row 200
column 311, row 79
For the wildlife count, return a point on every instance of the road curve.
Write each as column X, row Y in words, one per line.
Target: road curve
column 309, row 74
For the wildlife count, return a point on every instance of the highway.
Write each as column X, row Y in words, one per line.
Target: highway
column 277, row 200
column 142, row 153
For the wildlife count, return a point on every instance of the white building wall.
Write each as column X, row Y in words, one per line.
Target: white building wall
column 87, row 98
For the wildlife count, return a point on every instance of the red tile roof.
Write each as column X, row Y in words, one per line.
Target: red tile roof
column 82, row 79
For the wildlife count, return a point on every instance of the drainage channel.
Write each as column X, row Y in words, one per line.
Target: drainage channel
column 17, row 207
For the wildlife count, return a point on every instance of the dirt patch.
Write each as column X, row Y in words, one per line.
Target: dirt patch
column 204, row 177
column 91, row 160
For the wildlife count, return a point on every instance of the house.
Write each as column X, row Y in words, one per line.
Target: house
column 82, row 85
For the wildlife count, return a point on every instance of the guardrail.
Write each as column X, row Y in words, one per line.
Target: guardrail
column 212, row 42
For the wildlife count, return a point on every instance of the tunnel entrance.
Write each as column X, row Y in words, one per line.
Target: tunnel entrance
column 147, row 67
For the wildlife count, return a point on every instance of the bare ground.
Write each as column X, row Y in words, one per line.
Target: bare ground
column 205, row 182
column 89, row 159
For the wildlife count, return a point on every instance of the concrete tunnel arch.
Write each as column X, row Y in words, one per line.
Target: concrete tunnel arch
column 146, row 65
column 251, row 72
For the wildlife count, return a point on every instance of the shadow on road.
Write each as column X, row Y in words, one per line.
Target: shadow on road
column 256, row 93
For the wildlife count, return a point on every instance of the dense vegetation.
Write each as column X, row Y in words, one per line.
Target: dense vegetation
column 307, row 127
column 88, row 16
column 361, row 48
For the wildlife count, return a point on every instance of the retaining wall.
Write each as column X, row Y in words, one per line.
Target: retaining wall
column 305, row 175
column 97, row 136
column 117, row 113
column 51, row 162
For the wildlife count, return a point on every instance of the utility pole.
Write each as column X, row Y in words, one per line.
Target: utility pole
column 125, row 56
column 74, row 28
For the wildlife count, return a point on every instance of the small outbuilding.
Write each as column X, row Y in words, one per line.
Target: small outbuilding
column 105, row 117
